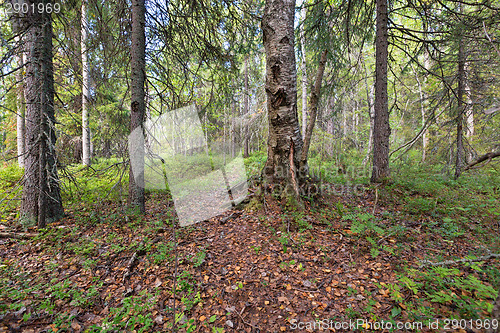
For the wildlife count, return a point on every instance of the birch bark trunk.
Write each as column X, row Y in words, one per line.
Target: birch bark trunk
column 285, row 140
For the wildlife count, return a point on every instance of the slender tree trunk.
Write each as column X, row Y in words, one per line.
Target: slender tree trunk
column 313, row 107
column 423, row 104
column 423, row 100
column 344, row 123
column 20, row 112
column 232, row 129
column 425, row 140
column 355, row 122
column 459, row 162
column 21, row 134
column 41, row 200
column 246, row 110
column 224, row 132
column 381, row 129
column 85, row 88
column 469, row 131
column 371, row 112
column 470, row 114
column 303, row 69
column 285, row 140
column 425, row 134
column 138, row 107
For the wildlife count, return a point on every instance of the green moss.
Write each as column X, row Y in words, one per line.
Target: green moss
column 292, row 200
column 255, row 204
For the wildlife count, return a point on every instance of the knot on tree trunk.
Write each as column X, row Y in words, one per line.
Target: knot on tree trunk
column 279, row 98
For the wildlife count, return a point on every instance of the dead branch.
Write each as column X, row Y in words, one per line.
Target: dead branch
column 486, row 157
column 130, row 266
column 17, row 235
column 424, row 263
column 243, row 320
column 133, row 259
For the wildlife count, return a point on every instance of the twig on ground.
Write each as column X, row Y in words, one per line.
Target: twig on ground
column 17, row 235
column 130, row 266
column 133, row 259
column 424, row 263
column 325, row 281
column 306, row 291
column 243, row 320
column 384, row 238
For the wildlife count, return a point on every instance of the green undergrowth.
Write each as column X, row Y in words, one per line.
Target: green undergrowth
column 106, row 179
column 10, row 190
column 419, row 214
column 51, row 288
column 443, row 292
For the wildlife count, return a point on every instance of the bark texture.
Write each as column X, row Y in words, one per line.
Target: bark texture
column 138, row 106
column 381, row 127
column 284, row 141
column 85, row 89
column 41, row 200
column 303, row 69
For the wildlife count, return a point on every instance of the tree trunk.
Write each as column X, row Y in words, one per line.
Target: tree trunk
column 459, row 162
column 313, row 107
column 423, row 104
column 33, row 81
column 85, row 88
column 469, row 115
column 285, row 140
column 20, row 102
column 41, row 198
column 138, row 107
column 232, row 129
column 344, row 123
column 381, row 128
column 21, row 127
column 355, row 123
column 246, row 110
column 371, row 112
column 303, row 69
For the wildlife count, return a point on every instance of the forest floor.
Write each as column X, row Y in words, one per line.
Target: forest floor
column 347, row 263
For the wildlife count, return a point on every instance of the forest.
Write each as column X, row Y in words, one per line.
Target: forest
column 249, row 166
